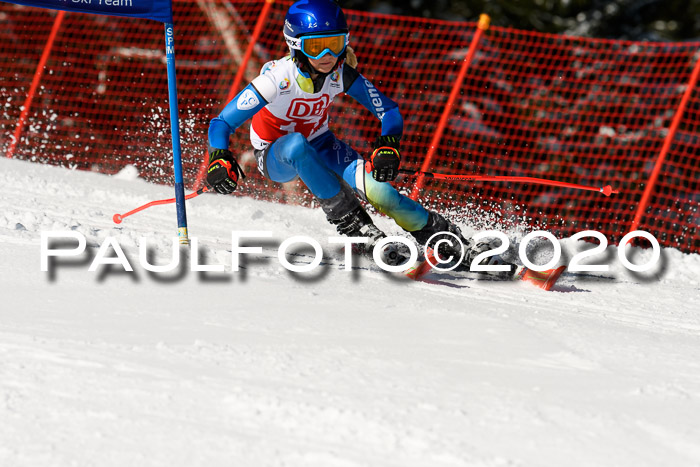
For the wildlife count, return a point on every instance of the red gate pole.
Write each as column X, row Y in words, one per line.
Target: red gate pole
column 482, row 26
column 35, row 83
column 240, row 73
column 665, row 148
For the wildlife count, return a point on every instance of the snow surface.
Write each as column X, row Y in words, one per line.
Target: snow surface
column 331, row 368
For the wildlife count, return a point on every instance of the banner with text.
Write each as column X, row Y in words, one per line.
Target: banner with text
column 158, row 10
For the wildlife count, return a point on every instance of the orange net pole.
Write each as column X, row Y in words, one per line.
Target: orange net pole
column 482, row 26
column 239, row 77
column 651, row 183
column 35, row 83
column 249, row 50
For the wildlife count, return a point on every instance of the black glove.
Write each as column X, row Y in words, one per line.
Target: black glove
column 223, row 171
column 386, row 158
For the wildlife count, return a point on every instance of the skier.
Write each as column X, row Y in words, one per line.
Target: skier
column 289, row 104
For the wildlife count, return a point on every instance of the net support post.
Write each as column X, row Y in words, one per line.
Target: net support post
column 651, row 183
column 482, row 25
column 262, row 19
column 35, row 84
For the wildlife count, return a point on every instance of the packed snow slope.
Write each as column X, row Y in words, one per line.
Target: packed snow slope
column 329, row 368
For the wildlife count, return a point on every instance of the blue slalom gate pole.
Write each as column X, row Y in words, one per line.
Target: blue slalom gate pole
column 175, row 133
column 156, row 10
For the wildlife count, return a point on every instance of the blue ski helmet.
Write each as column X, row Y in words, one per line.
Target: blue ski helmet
column 312, row 18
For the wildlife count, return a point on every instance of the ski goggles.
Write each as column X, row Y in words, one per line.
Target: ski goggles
column 317, row 46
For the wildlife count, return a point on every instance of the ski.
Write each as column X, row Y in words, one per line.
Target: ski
column 543, row 279
column 422, row 266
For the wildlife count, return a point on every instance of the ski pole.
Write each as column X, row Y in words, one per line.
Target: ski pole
column 606, row 190
column 118, row 218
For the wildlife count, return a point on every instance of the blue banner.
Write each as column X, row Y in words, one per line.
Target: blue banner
column 158, row 10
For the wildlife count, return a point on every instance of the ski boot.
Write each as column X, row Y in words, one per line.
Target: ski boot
column 357, row 223
column 440, row 228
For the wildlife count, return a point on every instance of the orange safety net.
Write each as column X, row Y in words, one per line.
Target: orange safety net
column 578, row 110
